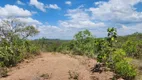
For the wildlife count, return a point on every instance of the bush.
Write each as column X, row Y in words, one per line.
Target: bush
column 7, row 56
column 125, row 69
column 116, row 59
column 107, row 51
column 14, row 45
column 10, row 55
column 132, row 46
column 121, row 65
column 117, row 56
column 34, row 50
column 83, row 44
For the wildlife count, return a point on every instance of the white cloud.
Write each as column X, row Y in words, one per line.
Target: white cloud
column 117, row 14
column 77, row 13
column 49, row 31
column 68, row 3
column 96, row 19
column 42, row 7
column 58, row 32
column 98, row 3
column 81, row 24
column 78, row 18
column 29, row 20
column 118, row 11
column 53, row 6
column 125, row 30
column 114, row 13
column 13, row 11
column 20, row 3
column 38, row 5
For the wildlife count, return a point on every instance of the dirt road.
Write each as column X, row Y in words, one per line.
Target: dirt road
column 49, row 66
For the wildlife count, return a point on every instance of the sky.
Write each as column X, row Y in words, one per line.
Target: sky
column 62, row 19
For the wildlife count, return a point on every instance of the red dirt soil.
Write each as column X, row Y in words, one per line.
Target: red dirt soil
column 49, row 66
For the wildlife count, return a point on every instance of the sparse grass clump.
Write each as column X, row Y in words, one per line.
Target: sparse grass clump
column 3, row 72
column 45, row 76
column 73, row 75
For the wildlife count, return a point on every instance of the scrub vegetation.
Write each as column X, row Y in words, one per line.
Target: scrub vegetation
column 115, row 52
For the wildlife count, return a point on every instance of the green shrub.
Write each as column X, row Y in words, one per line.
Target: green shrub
column 10, row 55
column 122, row 65
column 117, row 56
column 34, row 50
column 83, row 44
column 14, row 45
column 7, row 56
column 125, row 69
column 132, row 46
column 114, row 58
column 107, row 51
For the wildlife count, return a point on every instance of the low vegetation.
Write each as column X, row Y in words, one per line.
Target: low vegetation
column 115, row 52
column 111, row 51
column 73, row 75
column 14, row 46
column 45, row 76
column 49, row 45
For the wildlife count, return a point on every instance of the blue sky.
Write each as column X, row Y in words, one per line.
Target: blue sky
column 63, row 18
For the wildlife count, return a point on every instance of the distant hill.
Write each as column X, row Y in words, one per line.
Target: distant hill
column 134, row 36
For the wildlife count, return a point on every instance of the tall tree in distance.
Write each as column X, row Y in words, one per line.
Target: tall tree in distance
column 10, row 28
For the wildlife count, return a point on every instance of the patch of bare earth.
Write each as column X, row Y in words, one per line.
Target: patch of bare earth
column 57, row 67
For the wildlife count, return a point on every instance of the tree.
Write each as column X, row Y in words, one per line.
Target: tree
column 116, row 58
column 11, row 28
column 112, row 35
column 83, row 35
column 14, row 46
